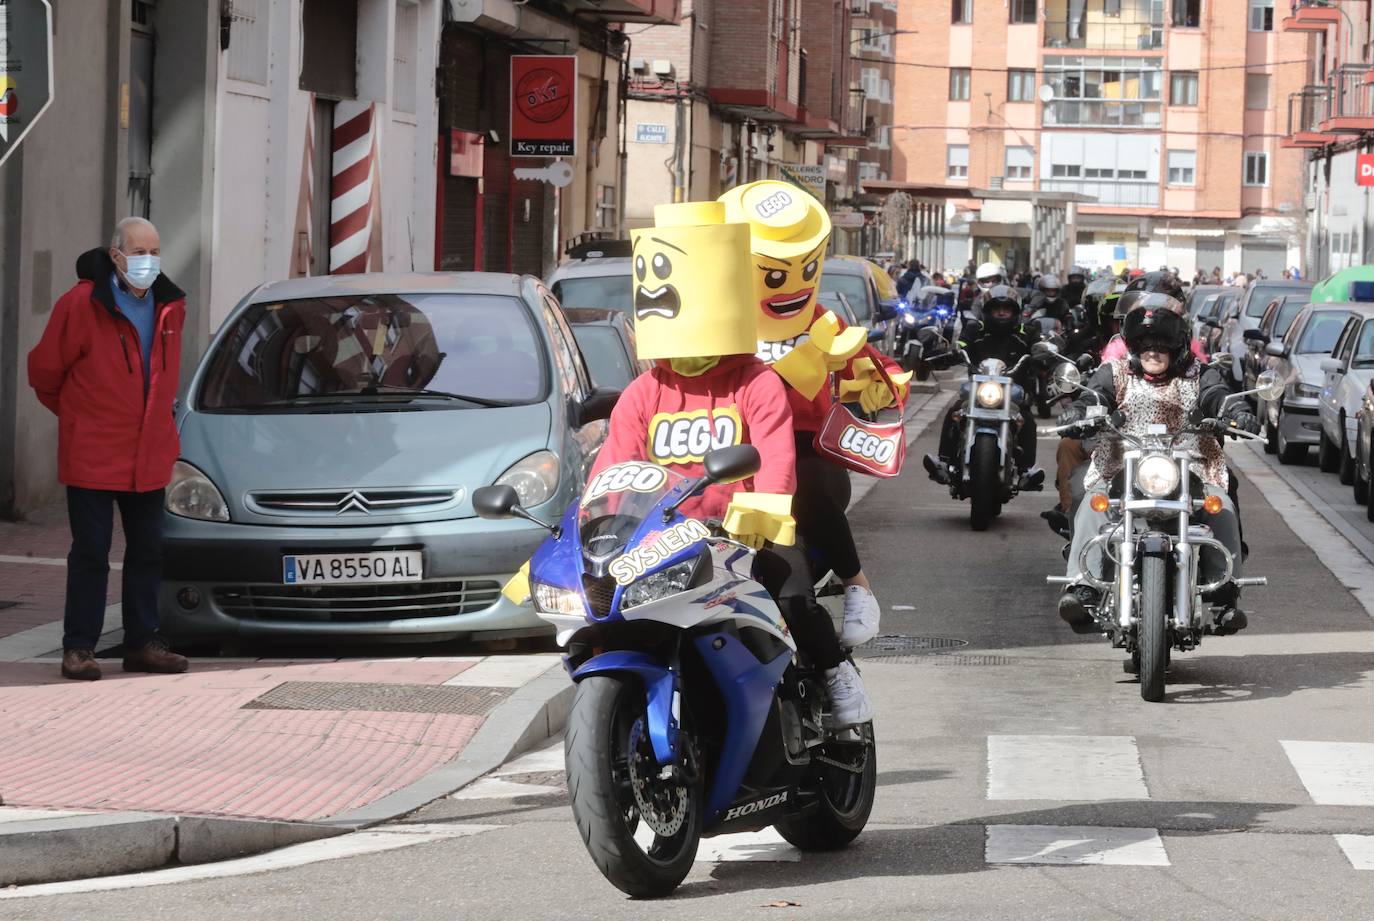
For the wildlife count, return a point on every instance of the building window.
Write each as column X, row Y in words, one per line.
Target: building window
column 871, row 82
column 962, row 12
column 1182, row 167
column 1020, row 164
column 1256, row 167
column 1106, row 91
column 884, row 141
column 956, row 161
column 1185, row 14
column 1106, row 25
column 1022, row 11
column 885, row 92
column 1066, row 171
column 1261, row 15
column 1183, row 88
column 1257, row 91
column 1020, row 86
column 960, row 79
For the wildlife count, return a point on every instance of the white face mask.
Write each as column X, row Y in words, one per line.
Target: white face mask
column 142, row 271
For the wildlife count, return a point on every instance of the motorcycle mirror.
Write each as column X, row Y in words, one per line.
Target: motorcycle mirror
column 1269, row 386
column 1040, row 348
column 1084, row 362
column 1067, row 378
column 1223, row 360
column 498, row 502
column 732, row 464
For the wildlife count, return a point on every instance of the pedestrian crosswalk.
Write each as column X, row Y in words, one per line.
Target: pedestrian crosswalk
column 1058, row 769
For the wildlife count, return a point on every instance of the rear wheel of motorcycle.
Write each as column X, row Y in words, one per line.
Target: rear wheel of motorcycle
column 1153, row 636
column 598, row 749
column 986, row 499
column 846, row 800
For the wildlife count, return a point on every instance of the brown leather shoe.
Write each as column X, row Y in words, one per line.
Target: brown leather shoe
column 154, row 656
column 80, row 665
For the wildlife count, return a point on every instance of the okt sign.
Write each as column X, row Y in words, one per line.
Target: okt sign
column 1364, row 169
column 543, row 105
column 25, row 68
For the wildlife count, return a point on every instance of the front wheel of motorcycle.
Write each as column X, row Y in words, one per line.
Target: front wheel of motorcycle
column 845, row 796
column 985, row 500
column 641, row 831
column 1153, row 635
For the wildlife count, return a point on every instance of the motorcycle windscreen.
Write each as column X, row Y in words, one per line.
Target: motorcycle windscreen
column 617, row 500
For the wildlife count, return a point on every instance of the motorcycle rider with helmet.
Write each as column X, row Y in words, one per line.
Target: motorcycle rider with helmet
column 998, row 335
column 1159, row 381
column 1075, row 286
column 1049, row 301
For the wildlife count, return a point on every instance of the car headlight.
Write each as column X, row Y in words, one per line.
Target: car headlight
column 1306, row 391
column 191, row 494
column 660, row 585
column 1157, row 476
column 534, row 478
column 989, row 394
column 550, row 599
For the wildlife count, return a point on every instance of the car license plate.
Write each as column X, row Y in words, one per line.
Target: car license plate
column 379, row 566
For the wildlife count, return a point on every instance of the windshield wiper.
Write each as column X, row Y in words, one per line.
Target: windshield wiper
column 389, row 390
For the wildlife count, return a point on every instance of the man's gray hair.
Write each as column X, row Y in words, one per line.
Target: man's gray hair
column 121, row 230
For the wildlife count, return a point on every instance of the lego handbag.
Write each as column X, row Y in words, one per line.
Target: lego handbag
column 874, row 448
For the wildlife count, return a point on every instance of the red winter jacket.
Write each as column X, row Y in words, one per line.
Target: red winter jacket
column 674, row 420
column 88, row 369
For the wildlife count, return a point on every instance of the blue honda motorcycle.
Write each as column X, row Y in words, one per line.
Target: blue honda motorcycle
column 693, row 715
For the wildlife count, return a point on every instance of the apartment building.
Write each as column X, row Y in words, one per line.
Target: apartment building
column 1162, row 119
column 1332, row 119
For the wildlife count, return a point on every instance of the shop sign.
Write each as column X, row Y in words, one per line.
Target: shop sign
column 1364, row 169
column 543, row 105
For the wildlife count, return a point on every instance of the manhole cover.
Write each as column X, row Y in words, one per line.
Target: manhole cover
column 893, row 644
column 379, row 698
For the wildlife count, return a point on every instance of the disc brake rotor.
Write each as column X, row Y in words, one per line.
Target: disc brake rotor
column 662, row 804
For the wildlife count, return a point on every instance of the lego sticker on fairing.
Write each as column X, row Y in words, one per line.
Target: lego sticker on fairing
column 657, row 549
column 631, row 475
column 863, row 444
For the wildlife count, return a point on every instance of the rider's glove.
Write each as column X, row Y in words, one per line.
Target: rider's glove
column 1072, row 415
column 1243, row 420
column 754, row 517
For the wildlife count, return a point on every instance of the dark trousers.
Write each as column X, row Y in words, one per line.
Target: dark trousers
column 91, row 514
column 952, row 444
column 786, row 574
column 819, row 504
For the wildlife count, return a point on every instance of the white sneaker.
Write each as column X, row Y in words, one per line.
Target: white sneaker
column 861, row 614
column 849, row 705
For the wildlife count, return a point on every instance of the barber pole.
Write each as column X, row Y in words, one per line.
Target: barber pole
column 354, row 215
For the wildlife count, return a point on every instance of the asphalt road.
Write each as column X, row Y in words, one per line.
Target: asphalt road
column 1026, row 744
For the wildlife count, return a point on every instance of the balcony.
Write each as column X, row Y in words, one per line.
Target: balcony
column 1306, row 111
column 1120, row 194
column 854, row 128
column 1351, row 105
column 1312, row 17
column 1131, row 25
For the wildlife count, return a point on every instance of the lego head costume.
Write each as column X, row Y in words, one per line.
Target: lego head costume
column 691, row 284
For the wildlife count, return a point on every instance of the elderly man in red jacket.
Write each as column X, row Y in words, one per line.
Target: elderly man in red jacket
column 107, row 365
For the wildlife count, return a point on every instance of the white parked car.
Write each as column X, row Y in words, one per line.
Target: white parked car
column 1346, row 377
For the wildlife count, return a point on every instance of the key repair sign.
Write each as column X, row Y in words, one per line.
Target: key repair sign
column 543, row 105
column 25, row 68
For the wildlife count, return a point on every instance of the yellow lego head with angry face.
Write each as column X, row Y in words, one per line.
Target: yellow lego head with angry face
column 789, row 230
column 691, row 283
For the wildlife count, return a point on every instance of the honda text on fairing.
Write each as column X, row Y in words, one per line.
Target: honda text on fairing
column 1153, row 598
column 693, row 714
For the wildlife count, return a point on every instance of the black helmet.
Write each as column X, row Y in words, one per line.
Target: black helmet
column 1003, row 299
column 1163, row 282
column 1154, row 323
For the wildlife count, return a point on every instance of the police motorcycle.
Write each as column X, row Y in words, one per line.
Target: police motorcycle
column 1152, row 597
column 932, row 307
column 693, row 715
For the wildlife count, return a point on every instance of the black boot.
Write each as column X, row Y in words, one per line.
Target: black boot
column 937, row 468
column 1032, row 480
column 1227, row 617
column 1074, row 605
column 1059, row 522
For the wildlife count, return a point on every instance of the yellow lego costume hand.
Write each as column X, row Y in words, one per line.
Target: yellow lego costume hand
column 869, row 389
column 826, row 349
column 518, row 588
column 754, row 517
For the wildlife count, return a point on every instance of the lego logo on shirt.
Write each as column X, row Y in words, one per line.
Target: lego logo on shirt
column 687, row 437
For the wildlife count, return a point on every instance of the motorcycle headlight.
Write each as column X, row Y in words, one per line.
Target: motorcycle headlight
column 550, row 599
column 191, row 494
column 1157, row 476
column 534, row 478
column 909, row 319
column 660, row 585
column 989, row 394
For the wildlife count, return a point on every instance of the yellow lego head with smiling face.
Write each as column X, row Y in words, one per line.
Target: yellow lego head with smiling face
column 789, row 230
column 691, row 284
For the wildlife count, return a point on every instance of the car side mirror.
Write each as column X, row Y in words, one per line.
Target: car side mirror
column 1332, row 365
column 1255, row 335
column 1277, row 349
column 886, row 310
column 495, row 502
column 596, row 407
column 732, row 464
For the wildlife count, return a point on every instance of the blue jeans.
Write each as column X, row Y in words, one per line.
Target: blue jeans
column 91, row 514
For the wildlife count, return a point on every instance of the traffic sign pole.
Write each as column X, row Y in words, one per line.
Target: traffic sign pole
column 26, row 69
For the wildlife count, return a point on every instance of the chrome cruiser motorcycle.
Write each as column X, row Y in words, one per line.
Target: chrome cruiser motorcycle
column 1152, row 598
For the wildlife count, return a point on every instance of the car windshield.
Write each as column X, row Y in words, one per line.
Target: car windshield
column 606, row 357
column 854, row 289
column 1264, row 295
column 608, row 292
column 460, row 350
column 1321, row 333
column 1209, row 306
column 1288, row 311
column 616, row 501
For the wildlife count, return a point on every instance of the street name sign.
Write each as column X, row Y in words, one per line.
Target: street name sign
column 25, row 68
